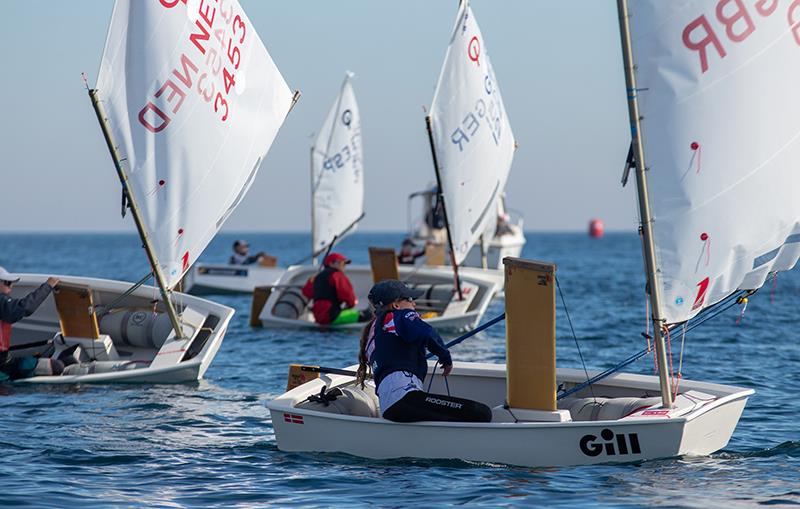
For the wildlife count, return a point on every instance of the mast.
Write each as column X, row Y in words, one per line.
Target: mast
column 644, row 203
column 313, row 211
column 440, row 197
column 137, row 217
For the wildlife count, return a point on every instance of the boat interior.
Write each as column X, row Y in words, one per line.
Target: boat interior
column 94, row 329
column 438, row 300
column 617, row 397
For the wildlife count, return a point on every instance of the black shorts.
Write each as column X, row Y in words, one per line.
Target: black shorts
column 422, row 406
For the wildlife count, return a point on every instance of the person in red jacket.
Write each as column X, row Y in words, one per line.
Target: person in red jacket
column 333, row 295
column 13, row 310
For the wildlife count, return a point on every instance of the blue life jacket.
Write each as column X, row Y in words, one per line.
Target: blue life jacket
column 399, row 341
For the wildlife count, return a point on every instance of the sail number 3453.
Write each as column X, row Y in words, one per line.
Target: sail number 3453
column 207, row 67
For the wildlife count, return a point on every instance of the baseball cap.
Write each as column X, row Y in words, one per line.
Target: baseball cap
column 240, row 243
column 391, row 290
column 335, row 257
column 7, row 276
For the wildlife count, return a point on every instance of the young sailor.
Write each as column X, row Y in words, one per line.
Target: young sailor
column 13, row 310
column 241, row 254
column 333, row 295
column 394, row 345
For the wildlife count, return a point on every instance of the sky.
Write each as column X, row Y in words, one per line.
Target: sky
column 558, row 64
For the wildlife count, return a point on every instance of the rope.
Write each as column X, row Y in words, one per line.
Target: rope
column 474, row 331
column 680, row 362
column 433, row 373
column 669, row 356
column 574, row 336
column 125, row 294
column 604, row 374
column 732, row 301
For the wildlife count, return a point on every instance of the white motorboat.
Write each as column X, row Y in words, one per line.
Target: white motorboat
column 546, row 416
column 440, row 306
column 221, row 278
column 123, row 337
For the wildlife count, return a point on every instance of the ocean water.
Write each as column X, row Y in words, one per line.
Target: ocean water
column 211, row 443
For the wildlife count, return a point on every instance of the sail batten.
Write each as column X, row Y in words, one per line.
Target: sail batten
column 337, row 171
column 721, row 140
column 471, row 134
column 194, row 102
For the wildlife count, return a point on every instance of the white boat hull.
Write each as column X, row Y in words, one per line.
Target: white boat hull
column 175, row 361
column 694, row 429
column 216, row 279
column 455, row 316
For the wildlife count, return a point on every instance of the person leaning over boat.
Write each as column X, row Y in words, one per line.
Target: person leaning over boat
column 330, row 290
column 409, row 253
column 394, row 346
column 13, row 310
column 241, row 254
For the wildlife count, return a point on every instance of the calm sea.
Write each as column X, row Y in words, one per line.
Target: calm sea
column 211, row 444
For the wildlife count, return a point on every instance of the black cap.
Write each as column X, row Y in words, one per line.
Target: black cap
column 391, row 290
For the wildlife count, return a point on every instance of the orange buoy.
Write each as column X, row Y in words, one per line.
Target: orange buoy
column 596, row 228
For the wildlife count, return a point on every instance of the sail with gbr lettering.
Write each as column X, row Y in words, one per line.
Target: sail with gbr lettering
column 337, row 172
column 471, row 133
column 194, row 102
column 720, row 106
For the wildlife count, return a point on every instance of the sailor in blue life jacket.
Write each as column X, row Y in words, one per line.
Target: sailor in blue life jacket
column 393, row 346
column 13, row 310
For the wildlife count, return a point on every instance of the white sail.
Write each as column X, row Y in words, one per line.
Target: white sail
column 194, row 101
column 721, row 131
column 472, row 136
column 337, row 170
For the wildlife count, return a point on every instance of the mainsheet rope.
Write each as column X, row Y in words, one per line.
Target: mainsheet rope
column 574, row 336
column 719, row 308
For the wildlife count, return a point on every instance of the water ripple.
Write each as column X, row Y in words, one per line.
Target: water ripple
column 211, row 443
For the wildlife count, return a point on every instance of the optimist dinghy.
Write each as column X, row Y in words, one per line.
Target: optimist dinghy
column 545, row 416
column 337, row 197
column 187, row 118
column 220, row 278
column 107, row 333
column 285, row 305
column 472, row 149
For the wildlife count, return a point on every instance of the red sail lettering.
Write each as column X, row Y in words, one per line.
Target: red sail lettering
column 196, row 38
column 165, row 120
column 700, row 45
column 175, row 90
column 170, row 4
column 793, row 21
column 739, row 14
column 186, row 64
column 204, row 14
column 702, row 286
column 766, row 11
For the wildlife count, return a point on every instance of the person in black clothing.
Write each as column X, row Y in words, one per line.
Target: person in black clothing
column 13, row 310
column 409, row 253
column 394, row 345
column 241, row 254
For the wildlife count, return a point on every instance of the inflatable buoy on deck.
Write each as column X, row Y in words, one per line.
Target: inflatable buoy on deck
column 291, row 304
column 137, row 327
column 596, row 229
